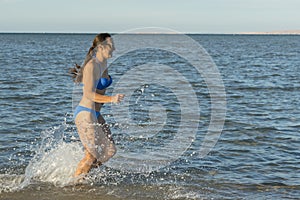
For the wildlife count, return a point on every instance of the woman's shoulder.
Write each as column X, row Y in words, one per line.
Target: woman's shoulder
column 91, row 65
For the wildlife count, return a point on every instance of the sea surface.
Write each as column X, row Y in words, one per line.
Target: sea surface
column 162, row 124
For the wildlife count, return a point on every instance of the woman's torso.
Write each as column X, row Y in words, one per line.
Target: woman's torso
column 88, row 103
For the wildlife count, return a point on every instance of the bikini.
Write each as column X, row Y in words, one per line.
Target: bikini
column 101, row 84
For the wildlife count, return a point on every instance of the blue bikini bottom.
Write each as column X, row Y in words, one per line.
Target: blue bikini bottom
column 81, row 108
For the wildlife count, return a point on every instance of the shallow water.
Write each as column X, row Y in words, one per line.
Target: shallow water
column 256, row 156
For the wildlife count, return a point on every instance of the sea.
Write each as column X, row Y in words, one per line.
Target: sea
column 205, row 116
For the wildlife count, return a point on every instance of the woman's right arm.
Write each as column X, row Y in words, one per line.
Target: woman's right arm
column 89, row 90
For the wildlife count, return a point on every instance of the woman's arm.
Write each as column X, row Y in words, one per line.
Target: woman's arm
column 89, row 91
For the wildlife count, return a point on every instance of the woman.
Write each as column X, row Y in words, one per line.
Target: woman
column 94, row 134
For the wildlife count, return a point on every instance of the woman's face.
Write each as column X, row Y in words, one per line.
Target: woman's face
column 108, row 48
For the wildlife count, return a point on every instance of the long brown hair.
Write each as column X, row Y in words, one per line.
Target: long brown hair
column 77, row 71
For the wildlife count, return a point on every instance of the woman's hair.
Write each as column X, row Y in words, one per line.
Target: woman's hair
column 77, row 71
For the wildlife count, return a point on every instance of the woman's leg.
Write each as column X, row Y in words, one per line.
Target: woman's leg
column 85, row 123
column 85, row 164
column 105, row 141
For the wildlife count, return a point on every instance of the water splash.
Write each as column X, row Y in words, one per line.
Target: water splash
column 56, row 166
column 54, row 162
column 9, row 183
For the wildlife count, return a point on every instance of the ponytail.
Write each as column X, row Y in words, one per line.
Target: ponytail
column 77, row 71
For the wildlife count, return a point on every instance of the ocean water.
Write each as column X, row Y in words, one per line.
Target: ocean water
column 163, row 122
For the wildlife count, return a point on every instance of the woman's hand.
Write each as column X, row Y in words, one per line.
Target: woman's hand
column 117, row 98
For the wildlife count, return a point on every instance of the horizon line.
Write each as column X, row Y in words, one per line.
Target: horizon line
column 283, row 32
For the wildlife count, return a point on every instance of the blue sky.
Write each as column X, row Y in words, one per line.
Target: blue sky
column 192, row 16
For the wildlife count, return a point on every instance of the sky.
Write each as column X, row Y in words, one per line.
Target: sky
column 187, row 16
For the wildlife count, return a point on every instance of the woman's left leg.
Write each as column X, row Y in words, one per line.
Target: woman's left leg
column 105, row 141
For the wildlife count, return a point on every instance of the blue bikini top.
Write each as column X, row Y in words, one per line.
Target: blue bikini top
column 103, row 83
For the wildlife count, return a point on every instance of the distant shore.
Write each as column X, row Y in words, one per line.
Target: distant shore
column 287, row 32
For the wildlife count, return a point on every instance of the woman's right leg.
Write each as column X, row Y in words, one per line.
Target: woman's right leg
column 85, row 164
column 85, row 123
